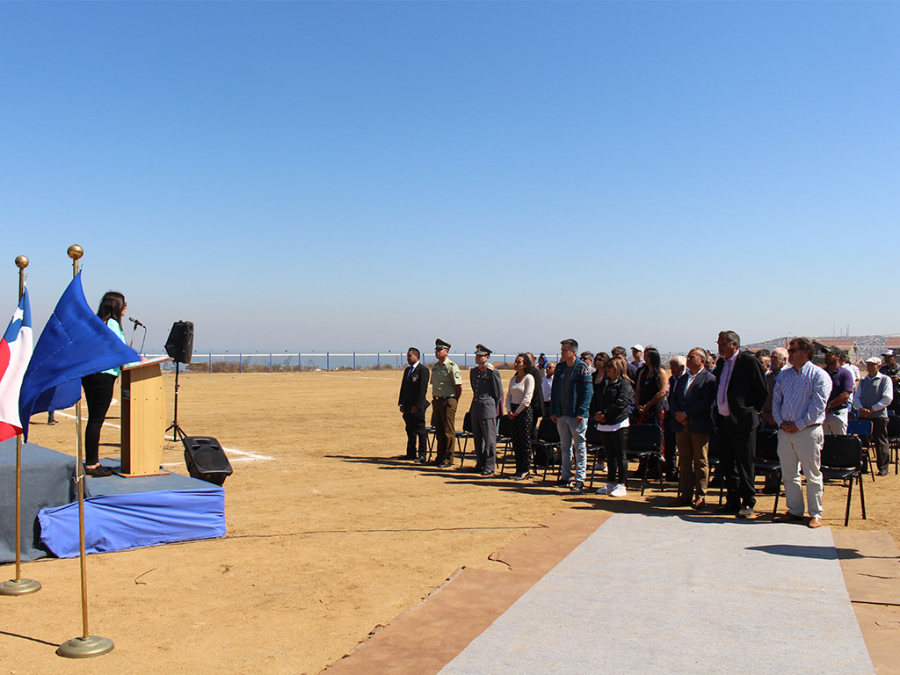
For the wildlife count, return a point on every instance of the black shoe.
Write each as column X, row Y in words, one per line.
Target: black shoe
column 728, row 510
column 883, row 472
column 444, row 465
column 421, row 460
column 566, row 482
column 52, row 421
column 487, row 473
column 98, row 471
column 577, row 486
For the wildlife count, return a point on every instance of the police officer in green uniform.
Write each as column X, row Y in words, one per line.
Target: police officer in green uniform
column 487, row 391
column 446, row 388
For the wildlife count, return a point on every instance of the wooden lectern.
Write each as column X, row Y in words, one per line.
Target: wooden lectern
column 143, row 418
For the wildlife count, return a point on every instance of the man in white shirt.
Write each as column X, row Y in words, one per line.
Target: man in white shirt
column 547, row 383
column 798, row 406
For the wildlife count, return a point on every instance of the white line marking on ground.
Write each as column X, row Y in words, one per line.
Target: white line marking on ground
column 233, row 454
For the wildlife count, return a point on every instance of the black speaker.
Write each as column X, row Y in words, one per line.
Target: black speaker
column 205, row 459
column 180, row 344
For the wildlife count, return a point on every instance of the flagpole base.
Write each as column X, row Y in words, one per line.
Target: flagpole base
column 83, row 648
column 19, row 587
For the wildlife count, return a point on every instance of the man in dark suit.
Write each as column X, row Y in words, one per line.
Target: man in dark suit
column 690, row 404
column 741, row 392
column 413, row 403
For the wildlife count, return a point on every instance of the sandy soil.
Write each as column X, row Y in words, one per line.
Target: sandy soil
column 328, row 535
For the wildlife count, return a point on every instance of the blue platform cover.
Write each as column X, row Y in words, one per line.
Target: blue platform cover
column 117, row 522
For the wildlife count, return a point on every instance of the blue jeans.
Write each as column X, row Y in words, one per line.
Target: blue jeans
column 571, row 439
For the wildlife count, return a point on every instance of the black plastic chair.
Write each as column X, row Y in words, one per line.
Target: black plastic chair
column 504, row 436
column 594, row 445
column 645, row 445
column 713, row 460
column 842, row 460
column 464, row 436
column 548, row 442
column 894, row 439
column 863, row 429
column 429, row 437
column 767, row 462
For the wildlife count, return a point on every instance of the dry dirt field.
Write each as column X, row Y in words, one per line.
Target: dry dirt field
column 329, row 536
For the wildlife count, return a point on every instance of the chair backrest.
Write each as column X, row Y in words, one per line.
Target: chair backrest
column 504, row 427
column 767, row 445
column 713, row 449
column 844, row 452
column 644, row 437
column 548, row 432
column 592, row 435
column 893, row 426
column 467, row 422
column 859, row 427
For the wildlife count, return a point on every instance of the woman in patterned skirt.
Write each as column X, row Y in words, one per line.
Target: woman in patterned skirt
column 518, row 403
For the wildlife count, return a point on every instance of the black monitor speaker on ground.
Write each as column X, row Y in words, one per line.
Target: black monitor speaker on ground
column 180, row 344
column 205, row 459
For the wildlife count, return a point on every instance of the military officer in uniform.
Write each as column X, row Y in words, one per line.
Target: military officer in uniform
column 446, row 388
column 413, row 402
column 487, row 391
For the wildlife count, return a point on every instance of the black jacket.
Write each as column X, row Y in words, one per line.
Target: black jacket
column 413, row 390
column 614, row 400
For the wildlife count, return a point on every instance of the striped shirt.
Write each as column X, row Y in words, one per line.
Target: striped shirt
column 800, row 397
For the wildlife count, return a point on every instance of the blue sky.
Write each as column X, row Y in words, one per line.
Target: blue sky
column 366, row 176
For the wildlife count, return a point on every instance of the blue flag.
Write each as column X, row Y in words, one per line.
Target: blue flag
column 74, row 343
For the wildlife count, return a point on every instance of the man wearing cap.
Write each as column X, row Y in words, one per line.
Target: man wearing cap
column 413, row 392
column 740, row 394
column 637, row 354
column 798, row 406
column 487, row 391
column 873, row 397
column 570, row 399
column 892, row 370
column 446, row 388
column 842, row 385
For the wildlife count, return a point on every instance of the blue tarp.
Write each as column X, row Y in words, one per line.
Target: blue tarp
column 116, row 522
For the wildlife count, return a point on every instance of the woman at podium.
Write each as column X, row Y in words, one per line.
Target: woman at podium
column 98, row 388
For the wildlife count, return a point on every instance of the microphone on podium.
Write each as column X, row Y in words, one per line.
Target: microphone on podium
column 136, row 322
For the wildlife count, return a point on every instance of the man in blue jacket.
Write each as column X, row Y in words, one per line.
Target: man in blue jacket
column 570, row 398
column 690, row 404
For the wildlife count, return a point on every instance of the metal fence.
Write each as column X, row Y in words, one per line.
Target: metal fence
column 286, row 362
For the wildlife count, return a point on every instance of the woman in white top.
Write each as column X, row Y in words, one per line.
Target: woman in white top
column 518, row 403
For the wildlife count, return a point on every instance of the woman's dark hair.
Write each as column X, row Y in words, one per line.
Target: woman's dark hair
column 526, row 359
column 654, row 363
column 111, row 307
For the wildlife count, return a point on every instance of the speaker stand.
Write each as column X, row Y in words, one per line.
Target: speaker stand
column 177, row 431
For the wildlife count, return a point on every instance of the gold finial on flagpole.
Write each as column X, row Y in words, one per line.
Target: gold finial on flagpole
column 87, row 645
column 19, row 586
column 75, row 252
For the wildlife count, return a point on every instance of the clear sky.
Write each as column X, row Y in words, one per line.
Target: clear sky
column 366, row 176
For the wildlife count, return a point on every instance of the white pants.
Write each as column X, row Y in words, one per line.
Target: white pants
column 802, row 449
column 836, row 422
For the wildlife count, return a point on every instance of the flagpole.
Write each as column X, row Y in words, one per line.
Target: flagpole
column 86, row 645
column 19, row 586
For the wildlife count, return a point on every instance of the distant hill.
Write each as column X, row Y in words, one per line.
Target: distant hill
column 867, row 345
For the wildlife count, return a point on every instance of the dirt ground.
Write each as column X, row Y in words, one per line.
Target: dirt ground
column 329, row 535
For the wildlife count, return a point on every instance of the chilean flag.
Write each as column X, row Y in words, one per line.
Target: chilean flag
column 15, row 353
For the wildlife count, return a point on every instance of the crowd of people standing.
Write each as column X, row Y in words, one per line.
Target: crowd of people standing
column 728, row 396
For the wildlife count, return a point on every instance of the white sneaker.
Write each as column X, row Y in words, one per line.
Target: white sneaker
column 606, row 489
column 618, row 491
